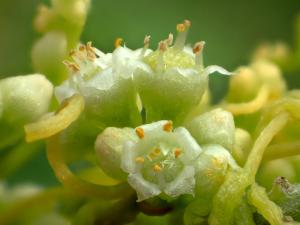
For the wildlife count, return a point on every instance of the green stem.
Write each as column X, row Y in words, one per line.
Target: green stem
column 233, row 189
column 74, row 183
column 282, row 150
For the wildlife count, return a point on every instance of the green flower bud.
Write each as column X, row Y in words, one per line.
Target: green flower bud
column 109, row 149
column 25, row 98
column 213, row 127
column 48, row 54
column 242, row 145
column 212, row 167
column 270, row 75
column 176, row 80
column 162, row 161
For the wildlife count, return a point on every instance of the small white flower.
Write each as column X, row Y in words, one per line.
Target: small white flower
column 162, row 160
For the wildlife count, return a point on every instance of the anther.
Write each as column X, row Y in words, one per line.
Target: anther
column 118, row 42
column 182, row 30
column 147, row 41
column 168, row 126
column 140, row 160
column 162, row 46
column 140, row 132
column 157, row 151
column 198, row 51
column 73, row 66
column 198, row 47
column 169, row 40
column 180, row 27
column 157, row 168
column 177, row 152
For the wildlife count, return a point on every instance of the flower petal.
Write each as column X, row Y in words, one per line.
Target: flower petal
column 143, row 188
column 214, row 68
column 183, row 184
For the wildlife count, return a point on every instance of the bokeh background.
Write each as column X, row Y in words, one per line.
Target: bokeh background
column 232, row 29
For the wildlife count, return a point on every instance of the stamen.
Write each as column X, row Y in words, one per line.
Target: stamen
column 72, row 66
column 82, row 48
column 90, row 51
column 118, row 42
column 182, row 31
column 169, row 40
column 140, row 132
column 140, row 160
column 177, row 152
column 162, row 47
column 198, row 51
column 157, row 168
column 168, row 126
column 146, row 44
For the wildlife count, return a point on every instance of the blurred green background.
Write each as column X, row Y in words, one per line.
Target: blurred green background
column 232, row 29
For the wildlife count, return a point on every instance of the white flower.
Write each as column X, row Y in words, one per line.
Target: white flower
column 161, row 161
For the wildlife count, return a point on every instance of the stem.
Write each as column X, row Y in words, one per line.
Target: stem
column 74, row 183
column 282, row 150
column 252, row 106
column 268, row 209
column 232, row 190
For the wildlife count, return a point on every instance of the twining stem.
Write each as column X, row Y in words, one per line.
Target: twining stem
column 233, row 189
column 282, row 150
column 74, row 183
column 269, row 210
column 249, row 107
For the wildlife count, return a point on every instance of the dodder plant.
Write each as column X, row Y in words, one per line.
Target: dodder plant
column 136, row 141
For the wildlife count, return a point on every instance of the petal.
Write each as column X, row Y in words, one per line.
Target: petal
column 211, row 69
column 183, row 184
column 128, row 163
column 191, row 148
column 143, row 188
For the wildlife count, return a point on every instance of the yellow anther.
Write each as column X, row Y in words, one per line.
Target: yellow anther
column 140, row 160
column 73, row 66
column 162, row 46
column 118, row 42
column 72, row 53
column 82, row 48
column 157, row 168
column 180, row 27
column 168, row 126
column 147, row 40
column 198, row 47
column 177, row 152
column 140, row 132
column 187, row 23
column 157, row 151
column 170, row 38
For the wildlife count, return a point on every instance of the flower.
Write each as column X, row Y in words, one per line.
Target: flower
column 162, row 160
column 177, row 79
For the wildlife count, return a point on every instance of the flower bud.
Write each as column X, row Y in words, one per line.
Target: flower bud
column 213, row 127
column 25, row 98
column 242, row 145
column 48, row 54
column 212, row 166
column 109, row 149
